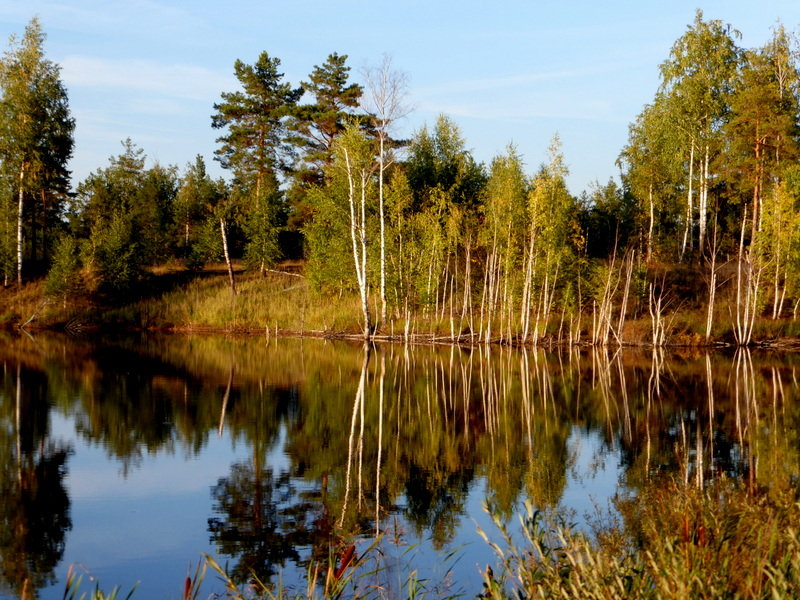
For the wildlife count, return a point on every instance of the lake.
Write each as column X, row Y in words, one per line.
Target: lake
column 131, row 457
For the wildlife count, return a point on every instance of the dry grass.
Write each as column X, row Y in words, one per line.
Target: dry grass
column 282, row 301
column 676, row 543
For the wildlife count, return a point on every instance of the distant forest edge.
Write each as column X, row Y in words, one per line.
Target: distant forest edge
column 699, row 244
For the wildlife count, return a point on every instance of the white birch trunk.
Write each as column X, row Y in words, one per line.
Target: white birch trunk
column 19, row 223
column 703, row 201
column 359, row 249
column 381, row 169
column 228, row 263
column 687, row 232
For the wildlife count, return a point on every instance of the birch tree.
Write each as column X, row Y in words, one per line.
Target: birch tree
column 696, row 82
column 651, row 171
column 36, row 136
column 353, row 160
column 549, row 210
column 342, row 230
column 504, row 237
column 385, row 103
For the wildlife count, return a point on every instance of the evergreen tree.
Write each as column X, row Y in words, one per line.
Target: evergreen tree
column 762, row 131
column 36, row 139
column 316, row 125
column 112, row 208
column 441, row 160
column 254, row 147
column 256, row 150
column 194, row 193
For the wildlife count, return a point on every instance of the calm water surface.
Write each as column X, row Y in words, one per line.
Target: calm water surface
column 130, row 458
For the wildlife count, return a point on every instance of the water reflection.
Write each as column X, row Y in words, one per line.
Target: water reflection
column 373, row 437
column 35, row 507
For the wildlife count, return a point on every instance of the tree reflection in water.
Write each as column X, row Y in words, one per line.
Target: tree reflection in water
column 391, row 439
column 258, row 510
column 35, row 507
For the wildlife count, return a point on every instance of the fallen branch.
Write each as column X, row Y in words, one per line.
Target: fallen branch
column 35, row 314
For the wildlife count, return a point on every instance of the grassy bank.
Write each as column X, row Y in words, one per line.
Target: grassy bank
column 282, row 302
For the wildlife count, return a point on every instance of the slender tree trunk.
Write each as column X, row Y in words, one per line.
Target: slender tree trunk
column 757, row 190
column 703, row 201
column 712, row 285
column 651, row 225
column 687, row 232
column 365, row 293
column 359, row 399
column 381, row 384
column 358, row 239
column 18, row 422
column 44, row 224
column 20, row 206
column 381, row 169
column 228, row 263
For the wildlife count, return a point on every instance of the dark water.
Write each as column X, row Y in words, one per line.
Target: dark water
column 130, row 458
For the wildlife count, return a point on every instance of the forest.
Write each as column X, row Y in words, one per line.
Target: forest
column 698, row 242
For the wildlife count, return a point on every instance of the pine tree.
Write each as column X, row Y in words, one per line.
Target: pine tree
column 316, row 126
column 256, row 150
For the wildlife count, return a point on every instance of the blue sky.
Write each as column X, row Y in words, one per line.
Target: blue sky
column 511, row 71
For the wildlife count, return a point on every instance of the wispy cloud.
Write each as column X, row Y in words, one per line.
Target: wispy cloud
column 177, row 81
column 553, row 108
column 89, row 15
column 521, row 80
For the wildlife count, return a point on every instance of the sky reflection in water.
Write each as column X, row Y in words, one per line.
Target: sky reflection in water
column 156, row 472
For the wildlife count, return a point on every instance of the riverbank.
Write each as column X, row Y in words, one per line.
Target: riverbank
column 282, row 302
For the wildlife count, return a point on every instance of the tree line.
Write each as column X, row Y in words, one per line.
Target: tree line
column 418, row 228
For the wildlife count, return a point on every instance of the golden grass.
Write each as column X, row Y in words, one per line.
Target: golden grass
column 676, row 543
column 283, row 302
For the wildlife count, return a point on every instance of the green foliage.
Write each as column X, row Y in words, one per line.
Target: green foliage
column 255, row 119
column 115, row 255
column 256, row 148
column 64, row 278
column 328, row 246
column 113, row 207
column 608, row 218
column 36, row 137
column 72, row 588
column 441, row 160
column 316, row 126
column 260, row 227
column 195, row 195
column 677, row 543
column 345, row 210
